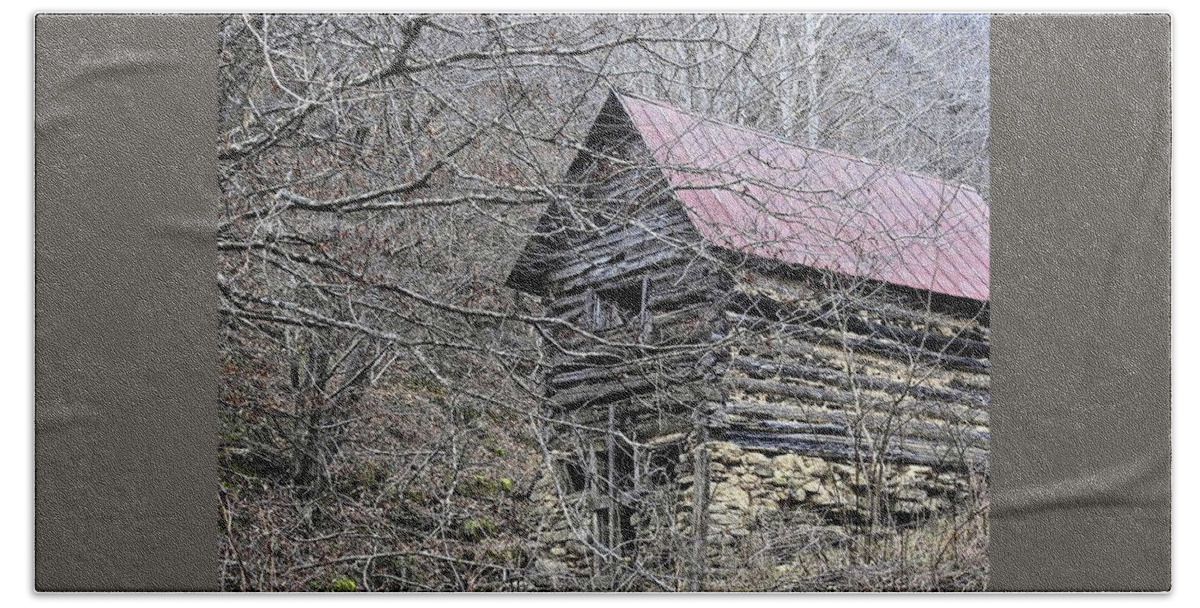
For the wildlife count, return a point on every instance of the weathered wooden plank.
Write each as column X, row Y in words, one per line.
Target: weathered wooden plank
column 609, row 273
column 889, row 312
column 786, row 349
column 766, row 370
column 602, row 393
column 772, row 310
column 654, row 226
column 633, row 246
column 674, row 284
column 815, row 395
column 780, row 417
column 570, row 373
column 846, row 449
column 671, row 405
column 872, row 344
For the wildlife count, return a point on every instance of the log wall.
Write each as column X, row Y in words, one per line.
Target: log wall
column 698, row 399
column 845, row 407
column 632, row 381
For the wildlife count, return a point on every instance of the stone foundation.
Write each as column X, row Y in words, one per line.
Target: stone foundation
column 755, row 497
column 560, row 541
column 751, row 491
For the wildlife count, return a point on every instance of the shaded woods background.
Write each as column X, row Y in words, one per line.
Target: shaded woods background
column 379, row 401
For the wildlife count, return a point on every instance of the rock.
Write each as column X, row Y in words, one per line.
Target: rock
column 788, row 462
column 550, row 570
column 830, row 496
column 724, row 520
column 721, row 539
column 910, row 494
column 936, row 504
column 766, row 507
column 558, row 536
column 731, row 495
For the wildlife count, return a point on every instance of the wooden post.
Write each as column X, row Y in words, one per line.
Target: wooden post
column 644, row 313
column 700, row 482
column 613, row 520
column 593, row 304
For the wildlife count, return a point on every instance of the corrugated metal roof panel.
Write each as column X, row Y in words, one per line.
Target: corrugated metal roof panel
column 752, row 192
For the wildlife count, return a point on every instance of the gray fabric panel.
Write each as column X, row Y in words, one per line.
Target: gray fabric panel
column 125, row 303
column 1080, row 169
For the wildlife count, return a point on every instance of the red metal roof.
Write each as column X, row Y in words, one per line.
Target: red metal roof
column 751, row 192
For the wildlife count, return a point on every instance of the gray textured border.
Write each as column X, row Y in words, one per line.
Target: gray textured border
column 126, row 328
column 125, row 303
column 1081, row 364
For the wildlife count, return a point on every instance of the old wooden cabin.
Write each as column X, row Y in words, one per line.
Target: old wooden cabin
column 760, row 342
